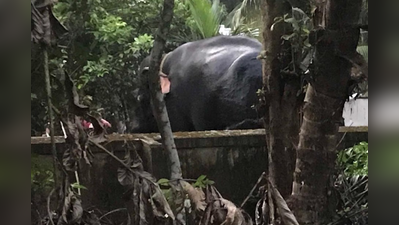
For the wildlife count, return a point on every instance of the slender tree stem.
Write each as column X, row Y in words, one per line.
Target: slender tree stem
column 157, row 98
column 50, row 215
column 262, row 177
column 50, row 113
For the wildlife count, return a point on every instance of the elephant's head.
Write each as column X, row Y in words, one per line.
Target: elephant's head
column 143, row 121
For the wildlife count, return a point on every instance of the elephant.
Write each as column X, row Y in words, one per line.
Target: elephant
column 210, row 84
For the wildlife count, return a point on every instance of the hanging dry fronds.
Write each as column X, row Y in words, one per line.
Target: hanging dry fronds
column 262, row 212
column 220, row 211
column 45, row 27
column 75, row 106
column 353, row 192
column 147, row 203
column 286, row 214
column 72, row 210
column 360, row 67
column 196, row 195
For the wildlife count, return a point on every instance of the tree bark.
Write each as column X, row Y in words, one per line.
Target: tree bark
column 281, row 119
column 335, row 38
column 157, row 98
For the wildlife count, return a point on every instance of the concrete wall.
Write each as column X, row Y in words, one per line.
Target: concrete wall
column 233, row 159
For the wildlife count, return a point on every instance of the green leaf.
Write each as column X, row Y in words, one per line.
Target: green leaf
column 288, row 37
column 277, row 20
column 163, row 182
column 207, row 16
column 33, row 96
column 78, row 186
column 306, row 30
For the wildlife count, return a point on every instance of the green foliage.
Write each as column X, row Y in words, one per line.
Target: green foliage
column 163, row 182
column 106, row 42
column 41, row 174
column 364, row 51
column 354, row 160
column 78, row 186
column 246, row 18
column 202, row 182
column 301, row 24
column 352, row 184
column 207, row 16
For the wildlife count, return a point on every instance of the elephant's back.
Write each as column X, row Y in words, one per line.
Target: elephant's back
column 215, row 80
column 210, row 58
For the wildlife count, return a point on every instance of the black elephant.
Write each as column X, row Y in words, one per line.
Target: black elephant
column 209, row 84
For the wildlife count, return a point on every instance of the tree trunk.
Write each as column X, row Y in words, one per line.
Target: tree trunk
column 157, row 98
column 336, row 39
column 281, row 119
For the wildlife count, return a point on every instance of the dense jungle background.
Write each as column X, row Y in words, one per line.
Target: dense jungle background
column 105, row 44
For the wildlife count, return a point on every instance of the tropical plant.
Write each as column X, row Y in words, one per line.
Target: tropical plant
column 364, row 51
column 352, row 184
column 207, row 16
column 246, row 17
column 354, row 160
column 41, row 174
column 106, row 43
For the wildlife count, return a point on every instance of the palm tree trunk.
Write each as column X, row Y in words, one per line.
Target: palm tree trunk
column 158, row 104
column 337, row 37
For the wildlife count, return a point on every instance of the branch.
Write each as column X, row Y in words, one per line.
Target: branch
column 50, row 113
column 157, row 98
column 253, row 189
column 50, row 216
column 120, row 161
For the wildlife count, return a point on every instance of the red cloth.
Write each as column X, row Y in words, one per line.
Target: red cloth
column 88, row 125
column 85, row 124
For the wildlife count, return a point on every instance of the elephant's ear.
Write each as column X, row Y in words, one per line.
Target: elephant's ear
column 165, row 84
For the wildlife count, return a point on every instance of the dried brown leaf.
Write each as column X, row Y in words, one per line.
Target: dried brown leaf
column 286, row 214
column 36, row 24
column 220, row 211
column 206, row 218
column 143, row 206
column 98, row 135
column 72, row 211
column 265, row 211
column 262, row 212
column 45, row 27
column 73, row 98
column 70, row 159
column 148, row 199
column 258, row 216
column 197, row 196
column 160, row 204
column 133, row 170
column 360, row 67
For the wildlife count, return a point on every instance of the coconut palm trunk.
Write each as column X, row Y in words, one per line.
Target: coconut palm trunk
column 336, row 38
